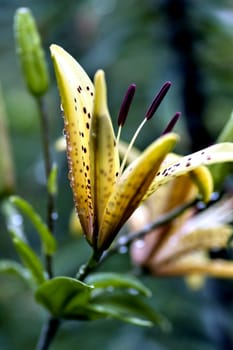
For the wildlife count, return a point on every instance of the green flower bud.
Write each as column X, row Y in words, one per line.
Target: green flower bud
column 30, row 52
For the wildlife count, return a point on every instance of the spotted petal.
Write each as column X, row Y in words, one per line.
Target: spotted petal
column 103, row 151
column 219, row 153
column 77, row 93
column 131, row 188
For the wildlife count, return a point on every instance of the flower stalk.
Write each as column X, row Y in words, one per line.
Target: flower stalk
column 35, row 72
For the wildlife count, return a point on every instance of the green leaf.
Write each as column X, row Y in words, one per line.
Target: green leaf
column 14, row 220
column 55, row 294
column 13, row 268
column 48, row 240
column 29, row 259
column 52, row 180
column 125, row 307
column 105, row 280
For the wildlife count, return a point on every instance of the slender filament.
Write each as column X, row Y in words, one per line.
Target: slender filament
column 124, row 161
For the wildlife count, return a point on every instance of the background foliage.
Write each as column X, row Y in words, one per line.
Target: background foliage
column 145, row 42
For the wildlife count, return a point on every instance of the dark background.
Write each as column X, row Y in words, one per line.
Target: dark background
column 143, row 42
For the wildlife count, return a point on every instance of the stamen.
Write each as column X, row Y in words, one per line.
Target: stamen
column 172, row 123
column 149, row 114
column 126, row 104
column 157, row 100
column 131, row 144
column 124, row 110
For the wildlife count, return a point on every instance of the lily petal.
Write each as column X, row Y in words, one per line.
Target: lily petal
column 77, row 94
column 104, row 159
column 165, row 199
column 131, row 188
column 219, row 153
column 192, row 264
column 200, row 239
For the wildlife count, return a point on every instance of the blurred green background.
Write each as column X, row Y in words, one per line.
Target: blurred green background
column 144, row 42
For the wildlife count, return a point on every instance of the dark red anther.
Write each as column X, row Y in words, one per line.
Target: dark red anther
column 157, row 100
column 172, row 123
column 124, row 110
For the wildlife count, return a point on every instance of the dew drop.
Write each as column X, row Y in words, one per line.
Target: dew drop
column 54, row 215
column 214, row 196
column 123, row 249
column 133, row 291
column 122, row 240
column 16, row 220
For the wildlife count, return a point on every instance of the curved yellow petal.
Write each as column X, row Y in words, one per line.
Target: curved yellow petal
column 131, row 188
column 188, row 265
column 200, row 239
column 203, row 179
column 77, row 94
column 219, row 153
column 104, row 161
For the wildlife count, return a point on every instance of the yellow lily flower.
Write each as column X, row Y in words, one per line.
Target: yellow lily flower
column 105, row 193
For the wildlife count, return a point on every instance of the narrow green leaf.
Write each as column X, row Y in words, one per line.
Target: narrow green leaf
column 125, row 307
column 112, row 311
column 13, row 268
column 57, row 293
column 105, row 280
column 52, row 180
column 29, row 259
column 14, row 220
column 48, row 240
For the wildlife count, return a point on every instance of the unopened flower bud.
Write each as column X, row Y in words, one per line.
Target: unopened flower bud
column 30, row 52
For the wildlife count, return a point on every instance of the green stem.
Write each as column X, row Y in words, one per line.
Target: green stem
column 89, row 266
column 48, row 167
column 48, row 333
column 52, row 325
